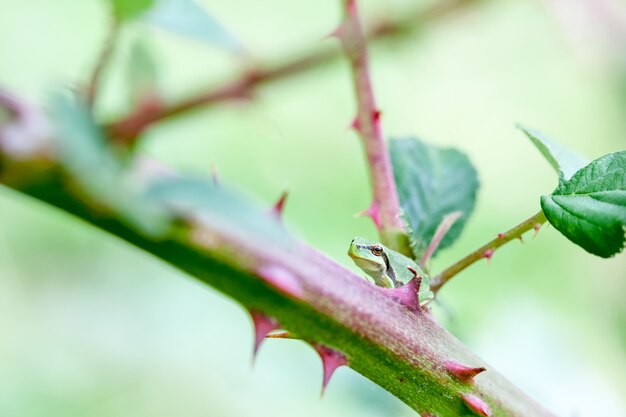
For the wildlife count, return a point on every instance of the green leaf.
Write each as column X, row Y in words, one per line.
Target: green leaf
column 128, row 9
column 141, row 75
column 565, row 161
column 590, row 208
column 432, row 182
column 189, row 19
column 81, row 144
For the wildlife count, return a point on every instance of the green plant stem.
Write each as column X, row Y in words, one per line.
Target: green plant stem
column 487, row 249
column 385, row 209
column 402, row 350
column 132, row 125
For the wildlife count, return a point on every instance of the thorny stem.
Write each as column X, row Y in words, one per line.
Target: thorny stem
column 487, row 249
column 385, row 209
column 101, row 62
column 135, row 123
column 404, row 351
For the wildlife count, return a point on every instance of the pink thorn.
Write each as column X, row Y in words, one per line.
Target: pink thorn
column 331, row 360
column 488, row 254
column 337, row 32
column 501, row 235
column 263, row 325
column 356, row 124
column 408, row 294
column 461, row 372
column 282, row 280
column 279, row 206
column 476, row 404
column 376, row 116
column 373, row 212
column 536, row 226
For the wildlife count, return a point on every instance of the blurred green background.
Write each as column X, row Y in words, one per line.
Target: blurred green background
column 92, row 327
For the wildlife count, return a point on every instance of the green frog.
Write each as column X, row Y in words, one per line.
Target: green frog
column 388, row 268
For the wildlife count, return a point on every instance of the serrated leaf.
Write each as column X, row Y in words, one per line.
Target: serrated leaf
column 432, row 182
column 128, row 9
column 189, row 19
column 141, row 73
column 197, row 199
column 590, row 208
column 564, row 160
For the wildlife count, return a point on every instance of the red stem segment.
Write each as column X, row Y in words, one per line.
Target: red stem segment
column 385, row 209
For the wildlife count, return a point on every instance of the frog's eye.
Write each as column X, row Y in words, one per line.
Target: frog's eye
column 377, row 250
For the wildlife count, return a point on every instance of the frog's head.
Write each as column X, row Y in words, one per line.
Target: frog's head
column 368, row 255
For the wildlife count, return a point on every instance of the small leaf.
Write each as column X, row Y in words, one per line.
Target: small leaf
column 565, row 161
column 141, row 73
column 432, row 182
column 81, row 144
column 189, row 19
column 590, row 208
column 128, row 9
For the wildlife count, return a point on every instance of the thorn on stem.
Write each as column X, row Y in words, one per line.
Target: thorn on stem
column 476, row 404
column 376, row 116
column 501, row 235
column 373, row 212
column 279, row 206
column 331, row 360
column 461, row 372
column 263, row 325
column 356, row 124
column 536, row 226
column 338, row 32
column 488, row 254
column 521, row 238
column 408, row 294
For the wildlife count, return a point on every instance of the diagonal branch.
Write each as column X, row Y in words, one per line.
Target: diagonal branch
column 131, row 126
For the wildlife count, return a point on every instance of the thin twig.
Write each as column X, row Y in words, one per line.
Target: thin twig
column 385, row 207
column 443, row 229
column 135, row 123
column 101, row 63
column 487, row 250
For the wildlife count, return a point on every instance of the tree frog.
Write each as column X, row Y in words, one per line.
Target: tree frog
column 388, row 268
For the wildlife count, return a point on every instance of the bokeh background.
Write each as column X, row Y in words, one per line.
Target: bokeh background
column 92, row 327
